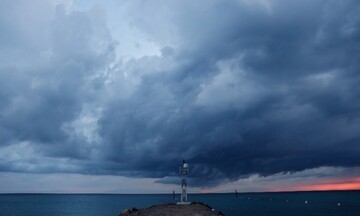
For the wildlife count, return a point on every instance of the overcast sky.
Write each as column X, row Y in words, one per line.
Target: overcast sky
column 110, row 96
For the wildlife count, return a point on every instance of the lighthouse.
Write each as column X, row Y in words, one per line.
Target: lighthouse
column 184, row 171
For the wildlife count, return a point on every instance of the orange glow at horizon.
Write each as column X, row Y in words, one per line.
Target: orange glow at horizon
column 347, row 184
column 314, row 184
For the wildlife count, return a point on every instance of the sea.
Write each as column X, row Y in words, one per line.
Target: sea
column 339, row 203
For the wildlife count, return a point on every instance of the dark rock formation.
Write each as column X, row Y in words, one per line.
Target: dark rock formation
column 194, row 209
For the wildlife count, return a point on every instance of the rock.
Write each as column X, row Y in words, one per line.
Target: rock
column 193, row 209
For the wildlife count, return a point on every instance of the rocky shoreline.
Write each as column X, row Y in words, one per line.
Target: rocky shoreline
column 193, row 209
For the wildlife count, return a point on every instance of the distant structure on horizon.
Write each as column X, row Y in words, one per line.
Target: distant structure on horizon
column 184, row 171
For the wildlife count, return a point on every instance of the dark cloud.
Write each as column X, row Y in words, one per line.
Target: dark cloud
column 240, row 88
column 39, row 97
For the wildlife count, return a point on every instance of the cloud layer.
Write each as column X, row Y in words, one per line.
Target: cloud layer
column 237, row 88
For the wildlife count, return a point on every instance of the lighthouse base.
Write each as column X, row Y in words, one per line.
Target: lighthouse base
column 183, row 203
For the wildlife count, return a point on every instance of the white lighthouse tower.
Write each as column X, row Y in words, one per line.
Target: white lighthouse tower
column 184, row 171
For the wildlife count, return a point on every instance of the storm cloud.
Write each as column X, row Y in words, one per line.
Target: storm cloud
column 237, row 88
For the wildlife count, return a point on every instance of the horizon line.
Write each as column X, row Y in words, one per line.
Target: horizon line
column 170, row 193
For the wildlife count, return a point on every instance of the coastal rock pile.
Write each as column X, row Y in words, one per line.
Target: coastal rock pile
column 194, row 209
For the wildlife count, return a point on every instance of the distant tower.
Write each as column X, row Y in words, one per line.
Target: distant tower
column 184, row 171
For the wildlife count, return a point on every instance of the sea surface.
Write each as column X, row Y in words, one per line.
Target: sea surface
column 340, row 203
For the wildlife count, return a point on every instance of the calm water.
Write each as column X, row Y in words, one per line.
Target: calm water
column 318, row 203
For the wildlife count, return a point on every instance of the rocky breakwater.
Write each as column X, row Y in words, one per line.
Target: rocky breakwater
column 193, row 209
